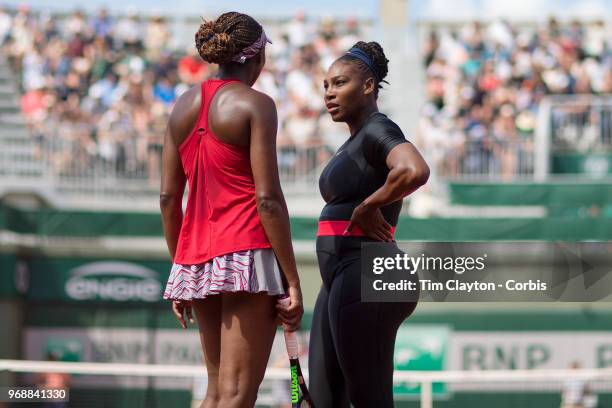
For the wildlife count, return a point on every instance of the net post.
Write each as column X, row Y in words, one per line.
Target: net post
column 426, row 394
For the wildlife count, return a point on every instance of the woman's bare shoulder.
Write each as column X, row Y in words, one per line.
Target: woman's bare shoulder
column 255, row 101
column 185, row 111
column 243, row 102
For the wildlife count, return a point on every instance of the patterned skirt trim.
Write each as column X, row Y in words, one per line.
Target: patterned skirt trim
column 252, row 271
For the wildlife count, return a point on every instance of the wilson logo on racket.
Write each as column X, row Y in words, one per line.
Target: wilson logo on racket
column 300, row 397
column 295, row 386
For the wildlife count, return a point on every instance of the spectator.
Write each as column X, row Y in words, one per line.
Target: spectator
column 53, row 380
column 298, row 30
column 6, row 22
column 129, row 31
column 101, row 24
column 97, row 93
column 156, row 37
column 191, row 68
column 76, row 24
column 488, row 82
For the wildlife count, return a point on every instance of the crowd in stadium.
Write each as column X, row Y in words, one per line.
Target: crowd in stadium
column 97, row 89
column 485, row 83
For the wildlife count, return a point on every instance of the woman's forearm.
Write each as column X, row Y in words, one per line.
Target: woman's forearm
column 401, row 181
column 275, row 220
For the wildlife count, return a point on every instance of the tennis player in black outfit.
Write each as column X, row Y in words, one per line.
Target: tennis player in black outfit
column 352, row 342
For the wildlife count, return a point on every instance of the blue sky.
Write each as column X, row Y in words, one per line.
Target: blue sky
column 444, row 9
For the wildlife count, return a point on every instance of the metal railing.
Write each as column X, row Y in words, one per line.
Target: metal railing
column 581, row 124
column 136, row 167
column 487, row 159
column 128, row 167
column 571, row 123
column 565, row 123
column 70, row 166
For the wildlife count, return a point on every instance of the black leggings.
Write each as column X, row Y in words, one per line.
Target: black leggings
column 351, row 342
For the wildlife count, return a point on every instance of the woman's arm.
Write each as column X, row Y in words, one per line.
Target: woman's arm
column 171, row 199
column 407, row 172
column 172, row 189
column 180, row 124
column 271, row 204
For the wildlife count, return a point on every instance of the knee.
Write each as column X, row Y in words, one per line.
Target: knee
column 233, row 394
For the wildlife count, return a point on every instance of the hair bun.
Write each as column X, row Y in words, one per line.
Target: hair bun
column 219, row 41
column 205, row 33
column 377, row 55
column 214, row 46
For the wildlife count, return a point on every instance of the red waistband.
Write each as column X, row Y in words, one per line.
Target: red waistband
column 339, row 228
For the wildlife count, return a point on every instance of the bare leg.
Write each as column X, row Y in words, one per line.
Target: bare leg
column 208, row 314
column 247, row 331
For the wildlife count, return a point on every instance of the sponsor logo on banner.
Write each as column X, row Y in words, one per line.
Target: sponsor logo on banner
column 490, row 350
column 117, row 281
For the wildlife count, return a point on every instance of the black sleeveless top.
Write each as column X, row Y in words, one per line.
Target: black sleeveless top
column 359, row 168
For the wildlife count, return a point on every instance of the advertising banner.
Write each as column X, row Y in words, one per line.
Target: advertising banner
column 105, row 280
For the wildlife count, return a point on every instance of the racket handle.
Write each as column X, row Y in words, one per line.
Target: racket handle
column 292, row 344
column 284, row 301
column 290, row 337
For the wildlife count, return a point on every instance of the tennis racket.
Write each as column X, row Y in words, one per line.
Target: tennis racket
column 300, row 397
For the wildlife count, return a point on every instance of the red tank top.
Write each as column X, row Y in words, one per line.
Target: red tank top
column 221, row 215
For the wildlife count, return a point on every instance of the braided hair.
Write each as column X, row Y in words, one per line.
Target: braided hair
column 377, row 55
column 220, row 40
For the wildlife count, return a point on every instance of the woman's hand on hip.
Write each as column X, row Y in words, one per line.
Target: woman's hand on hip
column 371, row 221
